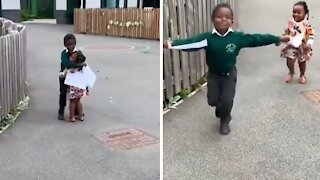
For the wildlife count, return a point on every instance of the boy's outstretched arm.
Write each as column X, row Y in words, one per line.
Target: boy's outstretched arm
column 189, row 44
column 256, row 40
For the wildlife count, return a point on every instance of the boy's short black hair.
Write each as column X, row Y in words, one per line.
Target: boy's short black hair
column 222, row 5
column 68, row 37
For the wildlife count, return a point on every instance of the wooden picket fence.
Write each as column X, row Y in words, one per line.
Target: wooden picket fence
column 122, row 22
column 12, row 66
column 182, row 19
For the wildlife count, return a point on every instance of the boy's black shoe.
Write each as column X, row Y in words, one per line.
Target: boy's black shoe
column 61, row 117
column 224, row 129
column 61, row 114
column 217, row 113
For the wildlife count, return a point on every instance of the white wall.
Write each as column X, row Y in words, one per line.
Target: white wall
column 121, row 3
column 61, row 4
column 10, row 4
column 132, row 3
column 93, row 4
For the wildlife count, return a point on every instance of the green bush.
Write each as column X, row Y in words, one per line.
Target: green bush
column 25, row 14
column 184, row 93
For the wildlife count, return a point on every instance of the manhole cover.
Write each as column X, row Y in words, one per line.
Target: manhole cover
column 125, row 139
column 313, row 96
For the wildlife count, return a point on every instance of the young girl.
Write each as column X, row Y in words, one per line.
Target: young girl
column 222, row 47
column 75, row 93
column 300, row 48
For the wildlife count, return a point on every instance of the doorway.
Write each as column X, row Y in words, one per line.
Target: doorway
column 41, row 9
column 151, row 3
column 71, row 5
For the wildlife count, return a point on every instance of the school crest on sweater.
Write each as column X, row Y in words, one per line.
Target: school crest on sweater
column 230, row 48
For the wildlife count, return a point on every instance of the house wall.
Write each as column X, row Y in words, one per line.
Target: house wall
column 93, row 4
column 61, row 11
column 132, row 3
column 11, row 10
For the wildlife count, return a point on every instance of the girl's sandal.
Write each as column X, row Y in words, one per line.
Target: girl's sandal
column 289, row 78
column 302, row 80
column 72, row 119
column 80, row 118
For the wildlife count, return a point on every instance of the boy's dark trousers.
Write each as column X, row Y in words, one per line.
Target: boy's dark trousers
column 221, row 91
column 63, row 97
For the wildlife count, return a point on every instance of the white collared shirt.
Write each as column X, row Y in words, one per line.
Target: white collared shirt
column 74, row 50
column 214, row 31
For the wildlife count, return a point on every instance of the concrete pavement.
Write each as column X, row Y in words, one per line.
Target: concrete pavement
column 275, row 130
column 126, row 95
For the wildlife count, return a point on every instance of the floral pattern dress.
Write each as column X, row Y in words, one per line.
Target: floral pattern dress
column 295, row 29
column 75, row 92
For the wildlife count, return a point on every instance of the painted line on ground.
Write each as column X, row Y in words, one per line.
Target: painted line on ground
column 133, row 49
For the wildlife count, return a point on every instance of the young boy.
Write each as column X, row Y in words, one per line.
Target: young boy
column 70, row 42
column 222, row 47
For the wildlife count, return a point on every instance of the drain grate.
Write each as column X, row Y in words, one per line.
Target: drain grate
column 126, row 139
column 313, row 96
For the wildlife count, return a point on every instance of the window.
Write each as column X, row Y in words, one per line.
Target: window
column 109, row 3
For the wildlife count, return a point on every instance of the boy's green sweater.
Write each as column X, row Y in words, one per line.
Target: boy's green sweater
column 65, row 62
column 222, row 52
